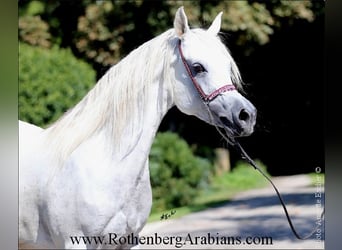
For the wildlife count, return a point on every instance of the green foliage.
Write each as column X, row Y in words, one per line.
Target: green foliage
column 317, row 179
column 254, row 22
column 97, row 39
column 102, row 32
column 109, row 30
column 33, row 30
column 31, row 8
column 257, row 21
column 50, row 82
column 242, row 177
column 221, row 189
column 35, row 7
column 176, row 173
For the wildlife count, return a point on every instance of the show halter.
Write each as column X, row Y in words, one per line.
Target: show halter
column 207, row 99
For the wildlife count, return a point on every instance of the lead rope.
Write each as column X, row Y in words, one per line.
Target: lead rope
column 246, row 157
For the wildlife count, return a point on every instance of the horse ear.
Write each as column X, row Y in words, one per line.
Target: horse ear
column 181, row 22
column 216, row 25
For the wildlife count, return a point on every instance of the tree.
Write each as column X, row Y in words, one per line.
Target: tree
column 105, row 31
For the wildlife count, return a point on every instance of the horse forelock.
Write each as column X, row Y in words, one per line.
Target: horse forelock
column 219, row 42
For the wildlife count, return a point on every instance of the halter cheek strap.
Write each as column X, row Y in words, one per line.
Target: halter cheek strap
column 205, row 97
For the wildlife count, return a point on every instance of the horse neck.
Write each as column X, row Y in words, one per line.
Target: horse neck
column 125, row 107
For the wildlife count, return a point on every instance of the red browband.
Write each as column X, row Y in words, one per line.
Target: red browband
column 206, row 98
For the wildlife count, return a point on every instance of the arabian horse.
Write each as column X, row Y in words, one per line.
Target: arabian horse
column 88, row 173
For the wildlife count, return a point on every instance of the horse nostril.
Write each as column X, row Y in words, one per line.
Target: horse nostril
column 243, row 115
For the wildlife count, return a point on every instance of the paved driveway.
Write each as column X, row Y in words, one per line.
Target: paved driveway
column 254, row 216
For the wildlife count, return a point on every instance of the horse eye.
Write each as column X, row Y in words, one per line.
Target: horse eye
column 198, row 68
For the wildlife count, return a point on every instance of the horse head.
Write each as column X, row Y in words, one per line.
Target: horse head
column 207, row 79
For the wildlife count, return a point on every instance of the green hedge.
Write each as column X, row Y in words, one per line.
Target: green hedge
column 50, row 82
column 177, row 175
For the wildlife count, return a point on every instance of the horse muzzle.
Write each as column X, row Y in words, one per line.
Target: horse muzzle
column 235, row 114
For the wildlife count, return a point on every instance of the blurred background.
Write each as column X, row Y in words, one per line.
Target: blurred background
column 65, row 46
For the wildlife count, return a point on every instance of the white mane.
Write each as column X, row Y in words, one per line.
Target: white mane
column 118, row 100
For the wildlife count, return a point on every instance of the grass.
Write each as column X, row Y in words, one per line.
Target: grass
column 317, row 178
column 222, row 189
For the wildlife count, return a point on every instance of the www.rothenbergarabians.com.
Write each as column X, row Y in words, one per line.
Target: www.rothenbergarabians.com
column 176, row 241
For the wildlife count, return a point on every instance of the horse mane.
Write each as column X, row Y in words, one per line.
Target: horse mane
column 117, row 102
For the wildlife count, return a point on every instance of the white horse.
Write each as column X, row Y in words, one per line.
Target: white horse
column 88, row 174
